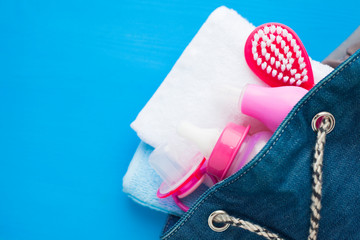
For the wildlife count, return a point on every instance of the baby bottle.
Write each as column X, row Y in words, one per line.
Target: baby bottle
column 227, row 151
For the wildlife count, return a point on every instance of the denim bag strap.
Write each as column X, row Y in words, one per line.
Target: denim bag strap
column 274, row 190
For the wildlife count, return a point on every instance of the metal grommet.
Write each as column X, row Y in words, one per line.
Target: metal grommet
column 211, row 221
column 315, row 121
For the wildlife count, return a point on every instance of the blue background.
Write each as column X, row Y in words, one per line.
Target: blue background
column 74, row 74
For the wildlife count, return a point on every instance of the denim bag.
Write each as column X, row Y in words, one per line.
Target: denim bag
column 274, row 190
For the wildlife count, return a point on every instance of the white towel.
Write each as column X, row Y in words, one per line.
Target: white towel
column 213, row 60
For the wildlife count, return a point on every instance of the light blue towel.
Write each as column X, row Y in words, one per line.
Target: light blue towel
column 141, row 183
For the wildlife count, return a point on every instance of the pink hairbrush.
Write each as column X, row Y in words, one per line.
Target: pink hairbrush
column 276, row 55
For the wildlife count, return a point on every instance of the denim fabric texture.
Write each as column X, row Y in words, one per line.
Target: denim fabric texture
column 274, row 189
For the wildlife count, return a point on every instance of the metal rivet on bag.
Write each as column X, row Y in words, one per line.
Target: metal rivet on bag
column 315, row 123
column 211, row 218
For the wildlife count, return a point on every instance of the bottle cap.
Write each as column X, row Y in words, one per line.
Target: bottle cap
column 225, row 150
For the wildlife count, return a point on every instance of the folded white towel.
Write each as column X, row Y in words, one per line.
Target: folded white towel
column 213, row 60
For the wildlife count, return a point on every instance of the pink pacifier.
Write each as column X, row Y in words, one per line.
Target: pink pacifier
column 227, row 151
column 269, row 105
column 181, row 172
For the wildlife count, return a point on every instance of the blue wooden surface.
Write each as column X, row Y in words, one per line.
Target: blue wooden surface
column 74, row 74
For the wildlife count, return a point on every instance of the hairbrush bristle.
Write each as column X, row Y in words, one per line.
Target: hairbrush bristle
column 277, row 51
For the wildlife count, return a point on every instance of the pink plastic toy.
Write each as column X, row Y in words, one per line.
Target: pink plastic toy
column 181, row 174
column 276, row 55
column 269, row 105
column 229, row 150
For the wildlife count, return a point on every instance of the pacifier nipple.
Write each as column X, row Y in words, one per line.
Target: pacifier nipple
column 180, row 169
column 167, row 165
column 204, row 139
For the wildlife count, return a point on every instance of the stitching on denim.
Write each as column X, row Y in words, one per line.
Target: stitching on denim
column 261, row 158
column 167, row 224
